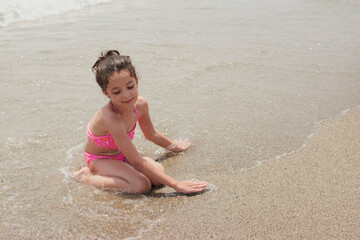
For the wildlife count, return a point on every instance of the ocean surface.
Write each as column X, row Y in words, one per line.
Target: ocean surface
column 246, row 81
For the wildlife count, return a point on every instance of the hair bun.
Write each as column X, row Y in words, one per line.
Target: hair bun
column 103, row 56
column 110, row 53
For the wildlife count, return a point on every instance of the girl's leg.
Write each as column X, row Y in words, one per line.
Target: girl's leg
column 116, row 184
column 115, row 175
column 154, row 163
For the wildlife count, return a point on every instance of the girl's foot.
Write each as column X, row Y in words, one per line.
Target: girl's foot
column 80, row 174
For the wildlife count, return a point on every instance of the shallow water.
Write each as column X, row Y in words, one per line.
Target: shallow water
column 245, row 81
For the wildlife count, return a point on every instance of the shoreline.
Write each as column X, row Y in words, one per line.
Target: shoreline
column 308, row 194
column 317, row 126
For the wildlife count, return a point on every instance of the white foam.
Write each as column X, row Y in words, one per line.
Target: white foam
column 212, row 186
column 152, row 223
column 69, row 152
column 66, row 172
column 345, row 111
column 25, row 10
column 68, row 199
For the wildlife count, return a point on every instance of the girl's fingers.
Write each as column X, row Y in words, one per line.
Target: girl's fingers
column 191, row 186
column 198, row 187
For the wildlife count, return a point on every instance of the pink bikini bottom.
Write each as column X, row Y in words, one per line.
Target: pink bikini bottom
column 89, row 157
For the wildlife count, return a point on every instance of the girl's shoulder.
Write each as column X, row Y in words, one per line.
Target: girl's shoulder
column 107, row 119
column 100, row 120
column 103, row 116
column 142, row 106
column 107, row 113
column 140, row 102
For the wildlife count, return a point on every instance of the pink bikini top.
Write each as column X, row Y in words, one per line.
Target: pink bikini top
column 107, row 141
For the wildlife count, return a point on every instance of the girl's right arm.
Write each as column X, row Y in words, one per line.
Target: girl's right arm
column 117, row 129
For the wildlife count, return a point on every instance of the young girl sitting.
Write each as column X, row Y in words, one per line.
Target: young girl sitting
column 113, row 162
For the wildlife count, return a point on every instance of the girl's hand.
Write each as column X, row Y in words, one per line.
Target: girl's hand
column 190, row 186
column 179, row 145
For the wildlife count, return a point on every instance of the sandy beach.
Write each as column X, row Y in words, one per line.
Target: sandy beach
column 244, row 80
column 311, row 194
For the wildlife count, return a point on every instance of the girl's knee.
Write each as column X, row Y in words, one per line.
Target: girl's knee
column 141, row 184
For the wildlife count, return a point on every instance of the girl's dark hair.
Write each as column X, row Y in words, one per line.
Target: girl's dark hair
column 109, row 62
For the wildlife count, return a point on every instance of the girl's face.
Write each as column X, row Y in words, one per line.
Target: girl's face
column 122, row 89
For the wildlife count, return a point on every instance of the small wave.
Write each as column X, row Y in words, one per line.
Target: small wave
column 24, row 10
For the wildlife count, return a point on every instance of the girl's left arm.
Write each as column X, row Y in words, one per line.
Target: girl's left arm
column 153, row 135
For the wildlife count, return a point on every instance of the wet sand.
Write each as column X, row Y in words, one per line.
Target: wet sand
column 311, row 194
column 244, row 81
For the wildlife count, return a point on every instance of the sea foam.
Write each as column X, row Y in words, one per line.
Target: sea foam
column 24, row 10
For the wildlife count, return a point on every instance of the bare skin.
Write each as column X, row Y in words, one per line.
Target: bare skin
column 138, row 173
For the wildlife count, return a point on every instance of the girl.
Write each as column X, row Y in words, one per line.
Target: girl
column 112, row 160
